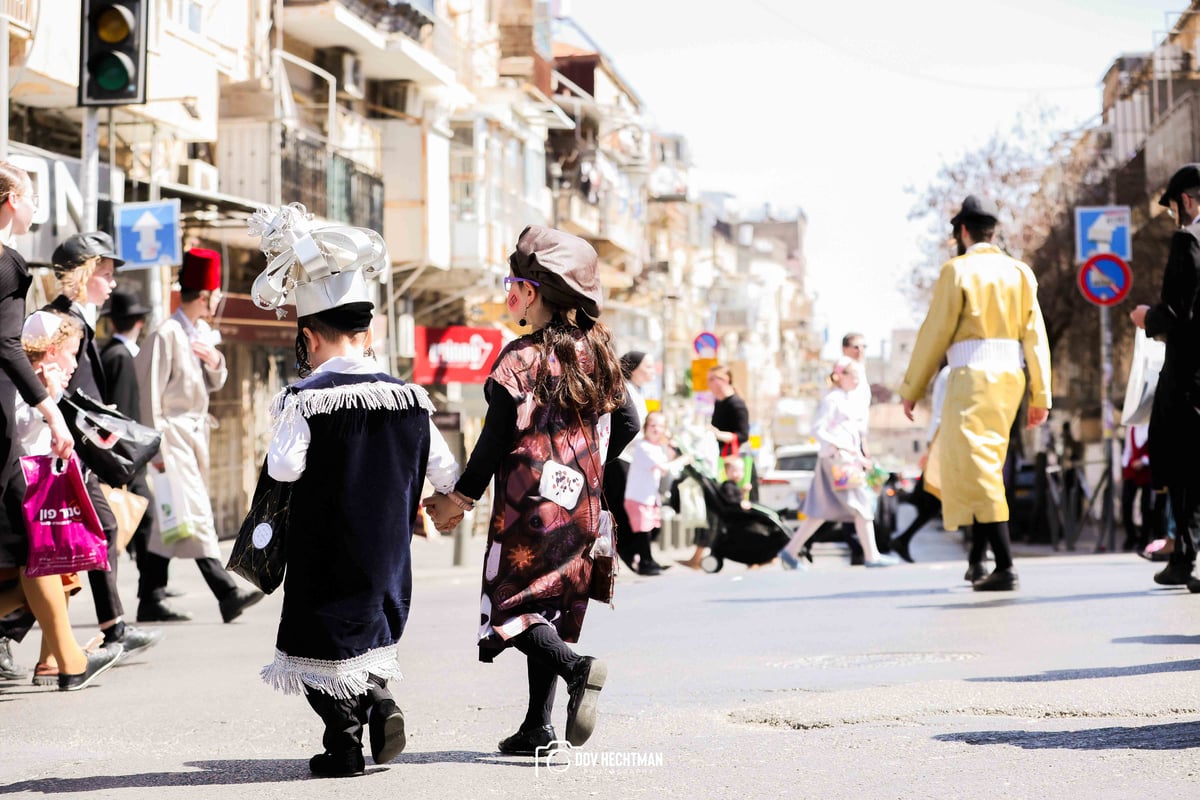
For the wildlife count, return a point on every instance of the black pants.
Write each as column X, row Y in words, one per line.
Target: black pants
column 104, row 584
column 1129, row 491
column 344, row 719
column 616, row 475
column 1185, row 509
column 994, row 534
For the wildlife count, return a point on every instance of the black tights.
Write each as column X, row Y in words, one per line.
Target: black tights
column 549, row 659
column 996, row 535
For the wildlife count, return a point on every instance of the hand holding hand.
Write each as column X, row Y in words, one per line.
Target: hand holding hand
column 442, row 510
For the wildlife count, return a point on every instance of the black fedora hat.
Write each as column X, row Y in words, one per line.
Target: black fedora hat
column 976, row 208
column 1185, row 178
column 122, row 305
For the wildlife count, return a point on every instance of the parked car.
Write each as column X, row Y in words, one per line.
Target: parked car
column 784, row 487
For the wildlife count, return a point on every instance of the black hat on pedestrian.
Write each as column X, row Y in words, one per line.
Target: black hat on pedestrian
column 976, row 209
column 102, row 243
column 124, row 305
column 1185, row 178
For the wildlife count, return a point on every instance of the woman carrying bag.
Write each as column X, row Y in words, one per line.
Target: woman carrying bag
column 557, row 410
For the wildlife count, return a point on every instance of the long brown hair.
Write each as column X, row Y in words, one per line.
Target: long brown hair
column 575, row 388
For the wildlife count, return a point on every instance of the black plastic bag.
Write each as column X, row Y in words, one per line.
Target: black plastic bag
column 259, row 553
column 109, row 443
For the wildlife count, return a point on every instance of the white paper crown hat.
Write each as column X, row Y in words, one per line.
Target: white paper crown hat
column 313, row 268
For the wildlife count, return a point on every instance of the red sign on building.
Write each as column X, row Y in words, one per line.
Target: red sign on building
column 457, row 354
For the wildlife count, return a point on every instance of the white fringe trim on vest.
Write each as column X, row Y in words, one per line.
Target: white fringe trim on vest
column 342, row 679
column 372, row 396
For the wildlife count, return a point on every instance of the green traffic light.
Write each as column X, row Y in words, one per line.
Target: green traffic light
column 111, row 71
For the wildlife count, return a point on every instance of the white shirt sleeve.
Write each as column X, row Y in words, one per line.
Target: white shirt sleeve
column 442, row 469
column 288, row 454
column 939, row 397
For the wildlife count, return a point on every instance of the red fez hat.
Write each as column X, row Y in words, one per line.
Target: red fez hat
column 201, row 270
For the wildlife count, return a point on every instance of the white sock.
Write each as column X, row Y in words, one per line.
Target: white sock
column 865, row 529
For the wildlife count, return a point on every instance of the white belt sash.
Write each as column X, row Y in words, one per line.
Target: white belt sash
column 1001, row 354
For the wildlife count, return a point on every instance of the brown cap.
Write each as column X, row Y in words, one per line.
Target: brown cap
column 565, row 266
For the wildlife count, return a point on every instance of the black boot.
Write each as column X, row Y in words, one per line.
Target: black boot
column 584, row 689
column 385, row 723
column 346, row 764
column 528, row 741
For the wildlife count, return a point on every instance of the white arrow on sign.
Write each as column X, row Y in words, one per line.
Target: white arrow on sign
column 147, row 228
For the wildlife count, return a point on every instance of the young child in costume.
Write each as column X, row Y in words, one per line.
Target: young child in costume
column 356, row 445
column 643, row 504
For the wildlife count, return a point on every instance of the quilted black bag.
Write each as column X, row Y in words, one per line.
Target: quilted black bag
column 259, row 554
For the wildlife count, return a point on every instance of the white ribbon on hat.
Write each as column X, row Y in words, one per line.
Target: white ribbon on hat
column 298, row 253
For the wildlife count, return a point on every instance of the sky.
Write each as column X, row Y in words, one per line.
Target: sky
column 838, row 108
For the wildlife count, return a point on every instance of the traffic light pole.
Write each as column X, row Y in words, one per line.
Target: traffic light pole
column 89, row 175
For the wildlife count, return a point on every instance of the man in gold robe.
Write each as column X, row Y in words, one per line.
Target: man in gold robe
column 985, row 319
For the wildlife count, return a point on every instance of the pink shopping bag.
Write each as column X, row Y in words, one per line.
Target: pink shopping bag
column 64, row 532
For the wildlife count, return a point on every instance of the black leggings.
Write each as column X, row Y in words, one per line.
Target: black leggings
column 996, row 535
column 549, row 659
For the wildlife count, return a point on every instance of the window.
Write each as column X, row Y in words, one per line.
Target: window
column 804, row 462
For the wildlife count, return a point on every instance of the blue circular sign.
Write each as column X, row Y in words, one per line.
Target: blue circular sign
column 1105, row 279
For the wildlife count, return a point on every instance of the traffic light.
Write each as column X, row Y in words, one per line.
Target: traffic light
column 112, row 52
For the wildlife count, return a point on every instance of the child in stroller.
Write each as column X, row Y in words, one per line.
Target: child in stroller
column 741, row 531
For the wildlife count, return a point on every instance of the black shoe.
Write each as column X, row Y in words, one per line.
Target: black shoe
column 97, row 662
column 856, row 559
column 340, row 765
column 661, row 567
column 386, row 725
column 649, row 569
column 161, row 611
column 233, row 606
column 131, row 638
column 9, row 671
column 1175, row 573
column 584, row 689
column 1001, row 580
column 169, row 592
column 528, row 741
column 1194, row 585
column 900, row 548
column 975, row 572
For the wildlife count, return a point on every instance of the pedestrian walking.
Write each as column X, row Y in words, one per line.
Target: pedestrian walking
column 638, row 369
column 85, row 265
column 354, row 443
column 983, row 318
column 127, row 315
column 556, row 410
column 854, row 346
column 1174, row 423
column 177, row 368
column 839, row 490
column 652, row 462
column 1136, row 485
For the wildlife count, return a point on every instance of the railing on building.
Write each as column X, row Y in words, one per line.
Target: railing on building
column 20, row 13
column 392, row 16
column 335, row 188
column 1173, row 141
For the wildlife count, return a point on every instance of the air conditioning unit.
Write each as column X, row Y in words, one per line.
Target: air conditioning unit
column 346, row 67
column 401, row 96
column 201, row 175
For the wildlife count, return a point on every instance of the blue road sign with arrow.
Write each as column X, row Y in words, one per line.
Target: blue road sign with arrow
column 1102, row 229
column 148, row 234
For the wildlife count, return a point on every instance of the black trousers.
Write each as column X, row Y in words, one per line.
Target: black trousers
column 1185, row 510
column 104, row 584
column 1129, row 492
column 344, row 719
column 616, row 475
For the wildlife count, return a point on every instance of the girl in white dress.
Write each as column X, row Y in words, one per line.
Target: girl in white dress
column 839, row 491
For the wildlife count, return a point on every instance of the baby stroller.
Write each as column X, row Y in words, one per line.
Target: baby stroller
column 748, row 536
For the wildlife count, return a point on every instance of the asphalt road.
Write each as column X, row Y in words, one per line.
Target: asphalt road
column 837, row 682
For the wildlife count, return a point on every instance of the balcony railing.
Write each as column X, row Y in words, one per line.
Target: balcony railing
column 21, row 13
column 331, row 187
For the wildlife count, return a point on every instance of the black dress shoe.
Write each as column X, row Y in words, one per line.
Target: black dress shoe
column 856, row 559
column 1194, row 585
column 161, row 612
column 584, row 688
column 337, row 765
column 900, row 548
column 1175, row 573
column 233, row 606
column 385, row 723
column 975, row 572
column 649, row 569
column 1001, row 580
column 97, row 663
column 9, row 671
column 131, row 638
column 528, row 741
